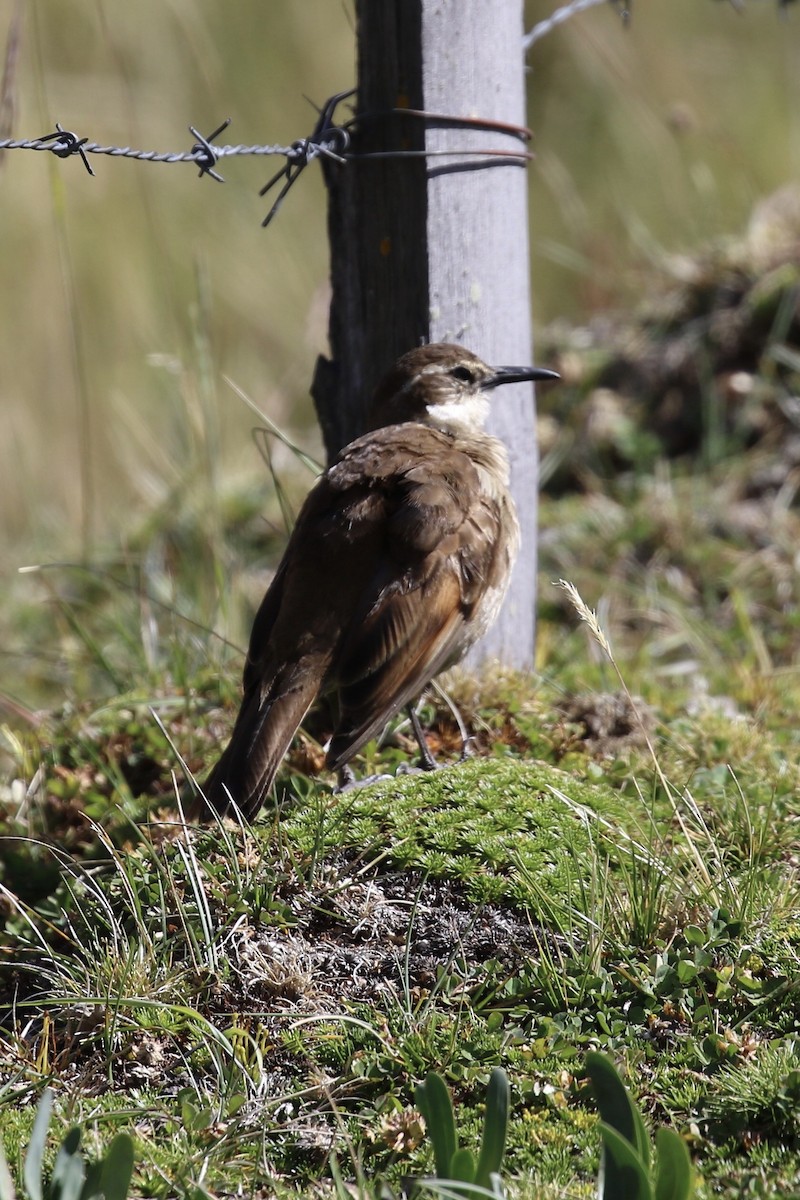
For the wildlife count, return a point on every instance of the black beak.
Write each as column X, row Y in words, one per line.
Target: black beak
column 517, row 375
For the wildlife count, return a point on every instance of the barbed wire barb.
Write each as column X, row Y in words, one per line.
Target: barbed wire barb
column 206, row 154
column 325, row 138
column 66, row 144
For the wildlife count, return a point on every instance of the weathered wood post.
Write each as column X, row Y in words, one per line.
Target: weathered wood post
column 435, row 248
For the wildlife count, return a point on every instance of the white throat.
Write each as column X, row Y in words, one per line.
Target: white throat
column 467, row 415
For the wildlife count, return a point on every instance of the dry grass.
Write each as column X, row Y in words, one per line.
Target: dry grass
column 648, row 138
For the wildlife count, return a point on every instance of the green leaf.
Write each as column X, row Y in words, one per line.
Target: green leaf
column 496, row 1187
column 6, row 1182
column 69, row 1174
column 616, row 1107
column 66, row 1174
column 117, row 1168
column 674, row 1179
column 623, row 1175
column 462, row 1166
column 495, row 1128
column 339, row 1185
column 91, row 1184
column 433, row 1101
column 32, row 1171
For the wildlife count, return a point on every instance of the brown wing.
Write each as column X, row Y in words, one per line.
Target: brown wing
column 439, row 544
column 391, row 552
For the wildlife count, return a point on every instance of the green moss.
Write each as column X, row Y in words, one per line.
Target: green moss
column 482, row 821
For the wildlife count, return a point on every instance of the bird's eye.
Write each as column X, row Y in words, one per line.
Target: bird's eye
column 462, row 374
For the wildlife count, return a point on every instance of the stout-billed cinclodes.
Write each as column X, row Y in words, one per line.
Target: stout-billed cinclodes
column 398, row 563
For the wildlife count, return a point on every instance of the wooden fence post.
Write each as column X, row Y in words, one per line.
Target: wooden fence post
column 436, row 248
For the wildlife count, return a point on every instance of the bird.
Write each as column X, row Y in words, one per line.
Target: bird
column 397, row 564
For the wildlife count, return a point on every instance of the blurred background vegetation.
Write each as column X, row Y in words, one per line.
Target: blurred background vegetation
column 128, row 299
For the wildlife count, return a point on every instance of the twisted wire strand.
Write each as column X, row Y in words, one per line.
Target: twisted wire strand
column 327, row 140
column 542, row 28
column 64, row 148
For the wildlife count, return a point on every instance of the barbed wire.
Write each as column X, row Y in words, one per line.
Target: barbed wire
column 542, row 28
column 63, row 143
column 327, row 140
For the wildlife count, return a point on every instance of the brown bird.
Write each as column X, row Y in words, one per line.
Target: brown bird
column 398, row 563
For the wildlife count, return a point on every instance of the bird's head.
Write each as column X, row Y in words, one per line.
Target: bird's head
column 445, row 386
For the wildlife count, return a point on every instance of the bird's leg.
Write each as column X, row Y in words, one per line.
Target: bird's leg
column 347, row 781
column 426, row 760
column 467, row 748
column 467, row 740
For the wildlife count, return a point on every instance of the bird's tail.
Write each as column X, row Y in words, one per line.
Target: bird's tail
column 268, row 720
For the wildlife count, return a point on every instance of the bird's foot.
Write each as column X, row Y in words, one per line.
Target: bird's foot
column 347, row 781
column 423, row 767
column 427, row 762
